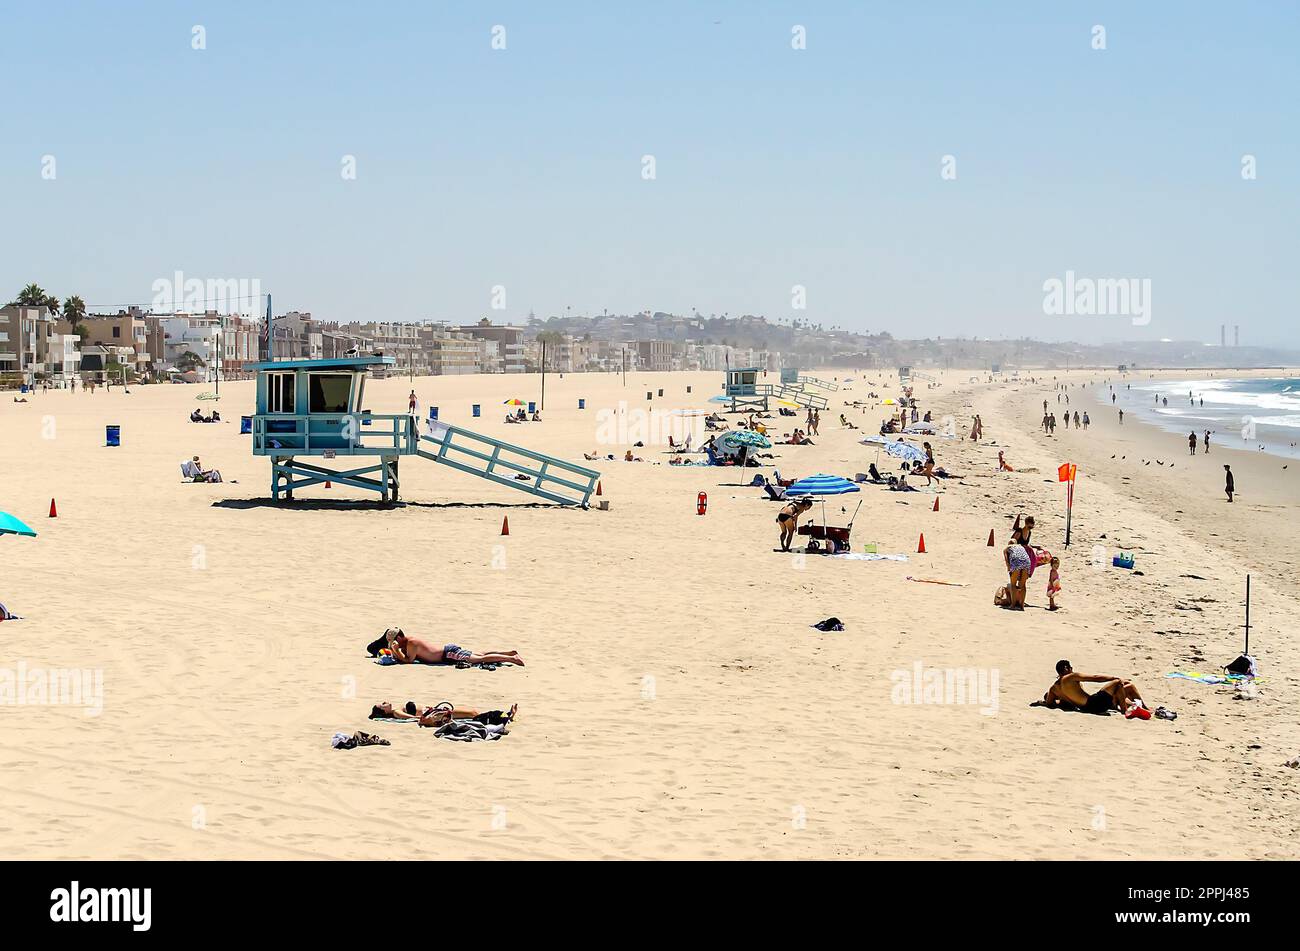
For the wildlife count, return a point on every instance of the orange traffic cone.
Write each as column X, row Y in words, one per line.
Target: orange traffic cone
column 598, row 492
column 505, row 524
column 936, row 504
column 920, row 548
column 992, row 544
column 54, row 512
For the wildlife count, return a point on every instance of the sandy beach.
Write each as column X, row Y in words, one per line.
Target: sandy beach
column 676, row 701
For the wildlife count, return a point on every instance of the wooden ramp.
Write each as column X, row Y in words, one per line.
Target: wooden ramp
column 548, row 477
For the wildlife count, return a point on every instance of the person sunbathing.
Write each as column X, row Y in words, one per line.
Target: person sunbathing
column 441, row 713
column 408, row 650
column 1067, row 693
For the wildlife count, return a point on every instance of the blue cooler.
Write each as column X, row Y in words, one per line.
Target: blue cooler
column 112, row 435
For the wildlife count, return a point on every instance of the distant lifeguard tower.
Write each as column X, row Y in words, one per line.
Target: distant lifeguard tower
column 793, row 377
column 315, row 409
column 743, row 391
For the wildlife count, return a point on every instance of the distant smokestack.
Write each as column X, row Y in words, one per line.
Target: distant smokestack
column 1236, row 335
column 1223, row 335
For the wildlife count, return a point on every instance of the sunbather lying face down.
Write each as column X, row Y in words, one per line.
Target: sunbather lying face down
column 408, row 650
column 1068, row 693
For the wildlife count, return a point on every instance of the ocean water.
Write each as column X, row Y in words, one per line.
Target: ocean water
column 1262, row 414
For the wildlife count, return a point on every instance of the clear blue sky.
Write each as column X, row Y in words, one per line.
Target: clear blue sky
column 775, row 167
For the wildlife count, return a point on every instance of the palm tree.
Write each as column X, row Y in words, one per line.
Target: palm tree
column 74, row 308
column 33, row 295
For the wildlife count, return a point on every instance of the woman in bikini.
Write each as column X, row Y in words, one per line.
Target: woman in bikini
column 788, row 519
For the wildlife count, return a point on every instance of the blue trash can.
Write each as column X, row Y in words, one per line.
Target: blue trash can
column 476, row 410
column 532, row 408
column 582, row 404
column 112, row 435
column 245, row 425
column 433, row 412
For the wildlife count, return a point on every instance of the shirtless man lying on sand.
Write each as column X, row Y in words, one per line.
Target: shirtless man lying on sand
column 441, row 714
column 407, row 650
column 1068, row 693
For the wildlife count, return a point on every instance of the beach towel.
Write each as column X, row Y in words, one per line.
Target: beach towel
column 1204, row 678
column 471, row 731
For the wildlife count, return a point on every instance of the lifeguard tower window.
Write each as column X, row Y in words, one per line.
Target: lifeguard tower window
column 279, row 392
column 329, row 392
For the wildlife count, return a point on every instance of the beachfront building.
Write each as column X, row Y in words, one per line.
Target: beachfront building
column 401, row 341
column 184, row 334
column 58, row 351
column 18, row 342
column 125, row 330
column 509, row 340
column 654, row 355
column 450, row 352
column 295, row 336
column 239, row 340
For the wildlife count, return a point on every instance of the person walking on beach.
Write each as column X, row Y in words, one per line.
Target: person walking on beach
column 1230, row 484
column 1191, row 443
column 1086, row 420
column 1121, row 417
column 410, row 403
column 1207, row 442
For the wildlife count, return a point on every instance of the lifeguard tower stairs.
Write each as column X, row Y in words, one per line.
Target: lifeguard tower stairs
column 312, row 409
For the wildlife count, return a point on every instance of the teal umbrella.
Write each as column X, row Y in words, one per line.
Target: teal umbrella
column 747, row 438
column 12, row 526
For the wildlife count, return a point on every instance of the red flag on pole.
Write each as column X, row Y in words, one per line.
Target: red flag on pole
column 1065, row 472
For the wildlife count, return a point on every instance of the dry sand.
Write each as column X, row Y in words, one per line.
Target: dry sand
column 676, row 702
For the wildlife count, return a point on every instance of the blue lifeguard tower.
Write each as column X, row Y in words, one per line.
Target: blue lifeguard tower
column 315, row 409
column 743, row 391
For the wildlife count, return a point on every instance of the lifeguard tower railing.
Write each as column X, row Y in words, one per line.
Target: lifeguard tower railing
column 548, row 477
column 824, row 384
column 342, row 434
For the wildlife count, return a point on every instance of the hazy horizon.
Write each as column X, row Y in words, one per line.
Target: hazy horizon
column 479, row 168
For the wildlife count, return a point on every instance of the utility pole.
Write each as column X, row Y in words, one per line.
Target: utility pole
column 543, row 374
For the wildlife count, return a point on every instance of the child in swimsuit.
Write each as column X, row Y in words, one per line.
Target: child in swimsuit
column 1053, row 584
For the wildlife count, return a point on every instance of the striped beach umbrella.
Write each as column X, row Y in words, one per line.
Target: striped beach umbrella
column 821, row 484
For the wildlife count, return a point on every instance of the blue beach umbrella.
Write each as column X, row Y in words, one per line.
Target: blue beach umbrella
column 12, row 526
column 905, row 451
column 821, row 485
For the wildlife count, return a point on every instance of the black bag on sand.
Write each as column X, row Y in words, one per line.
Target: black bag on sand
column 830, row 624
